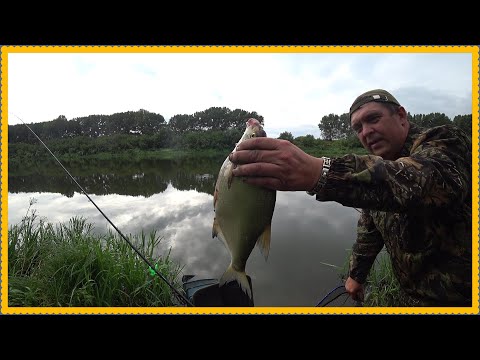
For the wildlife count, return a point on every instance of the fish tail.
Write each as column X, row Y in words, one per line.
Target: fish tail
column 239, row 276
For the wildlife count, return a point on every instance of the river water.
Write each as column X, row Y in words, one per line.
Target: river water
column 310, row 240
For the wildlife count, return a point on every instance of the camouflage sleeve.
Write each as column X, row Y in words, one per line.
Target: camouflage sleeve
column 436, row 173
column 365, row 249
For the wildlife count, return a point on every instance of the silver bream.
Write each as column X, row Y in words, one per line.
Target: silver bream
column 243, row 215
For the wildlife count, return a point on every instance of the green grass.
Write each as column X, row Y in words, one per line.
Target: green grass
column 382, row 288
column 162, row 154
column 334, row 152
column 66, row 265
column 127, row 155
column 332, row 149
column 30, row 154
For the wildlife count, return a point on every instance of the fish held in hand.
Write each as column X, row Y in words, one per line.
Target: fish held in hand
column 243, row 215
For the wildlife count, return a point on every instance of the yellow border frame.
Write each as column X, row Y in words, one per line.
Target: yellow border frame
column 5, row 50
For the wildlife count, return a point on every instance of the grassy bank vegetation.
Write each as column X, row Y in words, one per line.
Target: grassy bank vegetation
column 24, row 154
column 381, row 287
column 67, row 265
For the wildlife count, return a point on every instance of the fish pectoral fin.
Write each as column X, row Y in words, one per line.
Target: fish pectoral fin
column 263, row 241
column 217, row 232
column 215, row 228
column 229, row 175
column 215, row 197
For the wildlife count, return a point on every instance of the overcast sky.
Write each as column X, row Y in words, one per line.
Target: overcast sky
column 291, row 91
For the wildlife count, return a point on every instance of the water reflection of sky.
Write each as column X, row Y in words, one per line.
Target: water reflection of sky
column 305, row 234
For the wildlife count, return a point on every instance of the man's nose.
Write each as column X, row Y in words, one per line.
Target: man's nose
column 366, row 130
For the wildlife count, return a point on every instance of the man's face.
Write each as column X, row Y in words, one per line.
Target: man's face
column 380, row 132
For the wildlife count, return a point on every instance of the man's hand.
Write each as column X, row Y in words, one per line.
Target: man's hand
column 276, row 164
column 355, row 289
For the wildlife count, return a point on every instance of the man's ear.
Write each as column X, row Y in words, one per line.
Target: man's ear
column 403, row 115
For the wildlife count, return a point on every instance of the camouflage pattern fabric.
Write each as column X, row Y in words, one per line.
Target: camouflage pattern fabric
column 420, row 207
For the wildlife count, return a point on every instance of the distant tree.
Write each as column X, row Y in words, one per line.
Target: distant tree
column 306, row 141
column 238, row 117
column 346, row 130
column 19, row 133
column 55, row 129
column 286, row 136
column 334, row 127
column 409, row 117
column 464, row 122
column 181, row 123
column 327, row 126
column 429, row 120
column 90, row 126
column 214, row 118
column 436, row 119
column 147, row 122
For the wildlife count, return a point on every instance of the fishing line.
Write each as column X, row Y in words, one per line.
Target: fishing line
column 152, row 268
column 336, row 297
column 338, row 287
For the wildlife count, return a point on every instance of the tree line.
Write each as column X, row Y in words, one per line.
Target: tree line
column 140, row 122
column 143, row 122
column 335, row 127
column 216, row 128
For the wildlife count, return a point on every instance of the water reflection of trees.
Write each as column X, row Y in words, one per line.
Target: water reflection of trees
column 140, row 178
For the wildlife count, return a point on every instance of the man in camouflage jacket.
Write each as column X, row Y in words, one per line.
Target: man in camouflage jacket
column 415, row 191
column 417, row 202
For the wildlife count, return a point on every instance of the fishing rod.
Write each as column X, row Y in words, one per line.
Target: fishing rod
column 180, row 296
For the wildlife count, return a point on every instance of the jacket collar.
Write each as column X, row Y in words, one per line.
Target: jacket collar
column 413, row 134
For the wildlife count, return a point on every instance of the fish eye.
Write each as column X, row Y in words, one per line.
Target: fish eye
column 253, row 135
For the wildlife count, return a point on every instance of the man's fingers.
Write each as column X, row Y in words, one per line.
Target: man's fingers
column 355, row 289
column 357, row 295
column 254, row 156
column 259, row 143
column 257, row 169
column 244, row 157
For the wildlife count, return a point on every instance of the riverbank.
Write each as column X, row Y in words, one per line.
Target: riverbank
column 23, row 154
column 67, row 265
column 382, row 288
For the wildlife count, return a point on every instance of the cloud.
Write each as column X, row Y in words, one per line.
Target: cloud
column 414, row 100
column 292, row 91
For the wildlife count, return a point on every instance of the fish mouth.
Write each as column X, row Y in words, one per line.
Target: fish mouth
column 256, row 127
column 252, row 122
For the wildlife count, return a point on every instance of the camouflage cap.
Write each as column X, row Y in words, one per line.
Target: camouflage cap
column 377, row 95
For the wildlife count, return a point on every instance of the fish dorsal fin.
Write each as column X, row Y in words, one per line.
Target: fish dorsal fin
column 263, row 241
